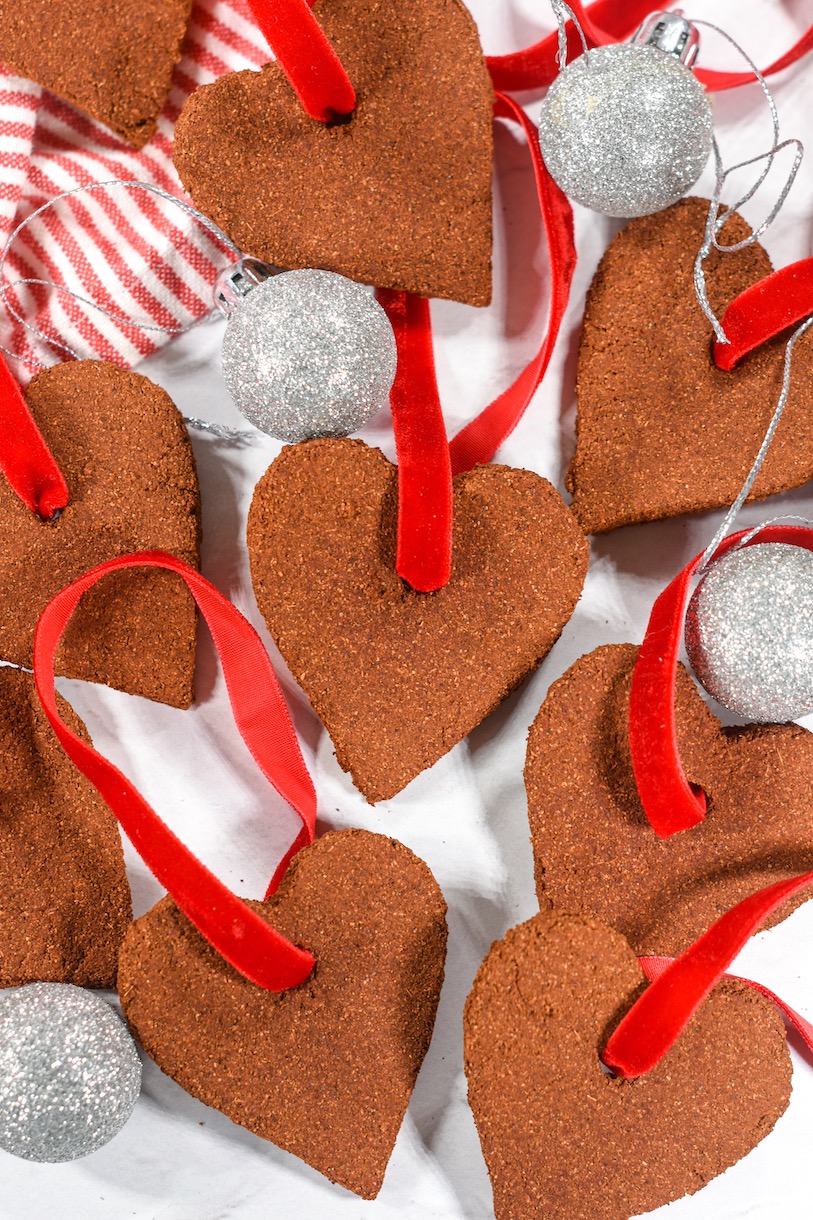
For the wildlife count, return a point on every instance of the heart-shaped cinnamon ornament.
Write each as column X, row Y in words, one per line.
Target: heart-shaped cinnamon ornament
column 64, row 898
column 399, row 677
column 661, row 430
column 564, row 1141
column 399, row 195
column 326, row 1069
column 123, row 449
column 596, row 853
column 113, row 60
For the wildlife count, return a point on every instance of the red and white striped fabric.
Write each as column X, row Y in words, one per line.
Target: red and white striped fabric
column 130, row 251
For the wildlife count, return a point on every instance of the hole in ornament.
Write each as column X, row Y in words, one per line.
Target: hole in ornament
column 700, row 796
column 52, row 520
column 339, row 120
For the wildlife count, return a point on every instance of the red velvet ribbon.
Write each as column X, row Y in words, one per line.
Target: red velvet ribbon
column 424, row 549
column 678, row 988
column 25, row 459
column 607, row 21
column 764, row 310
column 306, row 57
column 670, row 801
column 237, row 932
column 480, row 439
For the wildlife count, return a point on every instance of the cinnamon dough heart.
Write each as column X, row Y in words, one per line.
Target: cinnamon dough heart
column 64, row 898
column 661, row 430
column 125, row 454
column 399, row 196
column 112, row 59
column 325, row 1070
column 564, row 1141
column 596, row 853
column 399, row 677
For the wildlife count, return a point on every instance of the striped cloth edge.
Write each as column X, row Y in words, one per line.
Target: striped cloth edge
column 133, row 253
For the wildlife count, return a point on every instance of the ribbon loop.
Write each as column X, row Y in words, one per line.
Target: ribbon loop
column 236, row 931
column 670, row 802
column 659, row 1016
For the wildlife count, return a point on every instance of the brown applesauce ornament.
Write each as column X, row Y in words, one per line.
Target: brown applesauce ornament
column 97, row 462
column 304, row 1017
column 393, row 186
column 65, row 899
column 595, row 1098
column 111, row 59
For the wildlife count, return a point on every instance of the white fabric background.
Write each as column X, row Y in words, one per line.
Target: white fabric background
column 177, row 1159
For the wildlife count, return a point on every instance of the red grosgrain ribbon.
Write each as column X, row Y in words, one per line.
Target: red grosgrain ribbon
column 237, row 932
column 606, row 21
column 659, row 1016
column 25, row 459
column 764, row 310
column 424, row 550
column 482, row 437
column 302, row 50
column 670, row 802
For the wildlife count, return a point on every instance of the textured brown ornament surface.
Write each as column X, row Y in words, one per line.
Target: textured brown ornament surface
column 594, row 850
column 64, row 898
column 112, row 59
column 399, row 196
column 325, row 1070
column 399, row 677
column 563, row 1141
column 123, row 449
column 661, row 430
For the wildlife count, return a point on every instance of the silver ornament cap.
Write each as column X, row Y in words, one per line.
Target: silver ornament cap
column 309, row 353
column 626, row 129
column 749, row 632
column 69, row 1072
column 669, row 32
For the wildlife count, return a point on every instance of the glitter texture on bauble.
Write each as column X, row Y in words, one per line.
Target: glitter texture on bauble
column 625, row 130
column 69, row 1072
column 749, row 631
column 309, row 353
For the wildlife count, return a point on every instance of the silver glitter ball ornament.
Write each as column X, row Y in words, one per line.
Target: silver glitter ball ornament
column 625, row 129
column 309, row 353
column 69, row 1072
column 749, row 631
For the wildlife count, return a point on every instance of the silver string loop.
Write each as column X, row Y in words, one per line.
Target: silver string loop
column 7, row 286
column 563, row 12
column 744, row 491
column 219, row 431
column 717, row 214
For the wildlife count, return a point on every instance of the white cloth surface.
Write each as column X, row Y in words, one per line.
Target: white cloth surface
column 178, row 1160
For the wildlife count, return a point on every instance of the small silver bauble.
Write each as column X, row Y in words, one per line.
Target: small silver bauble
column 307, row 353
column 69, row 1072
column 626, row 129
column 749, row 631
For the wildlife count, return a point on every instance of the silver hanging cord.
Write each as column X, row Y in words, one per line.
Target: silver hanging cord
column 707, row 564
column 234, row 436
column 717, row 217
column 220, row 431
column 744, row 491
column 7, row 285
column 562, row 12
